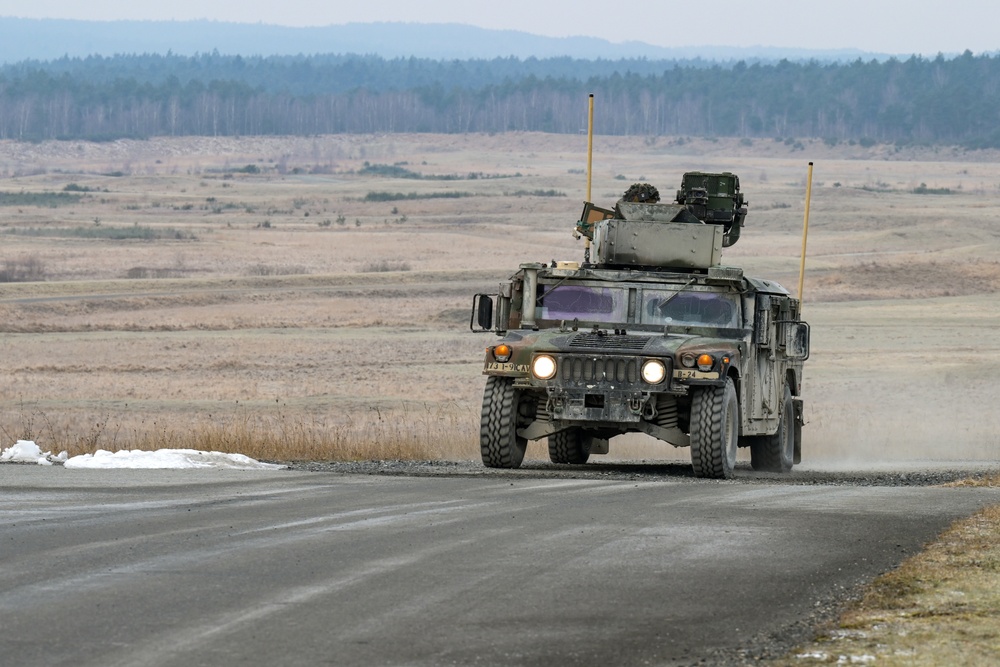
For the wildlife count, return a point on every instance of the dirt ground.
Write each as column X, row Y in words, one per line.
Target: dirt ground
column 178, row 286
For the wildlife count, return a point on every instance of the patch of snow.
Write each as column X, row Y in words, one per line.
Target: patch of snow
column 26, row 451
column 168, row 458
column 841, row 659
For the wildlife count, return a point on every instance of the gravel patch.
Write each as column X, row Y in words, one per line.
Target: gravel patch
column 908, row 474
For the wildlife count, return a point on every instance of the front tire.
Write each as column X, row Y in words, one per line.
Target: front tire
column 715, row 427
column 499, row 443
column 776, row 453
column 570, row 446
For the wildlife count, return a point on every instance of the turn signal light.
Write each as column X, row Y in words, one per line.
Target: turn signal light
column 501, row 352
column 705, row 362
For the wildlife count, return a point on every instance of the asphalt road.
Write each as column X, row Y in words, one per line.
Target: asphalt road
column 309, row 568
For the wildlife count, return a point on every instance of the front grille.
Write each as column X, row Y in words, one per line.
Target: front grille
column 584, row 370
column 593, row 341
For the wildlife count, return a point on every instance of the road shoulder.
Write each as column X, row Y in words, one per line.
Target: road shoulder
column 939, row 607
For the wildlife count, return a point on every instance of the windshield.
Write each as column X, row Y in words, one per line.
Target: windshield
column 664, row 307
column 590, row 304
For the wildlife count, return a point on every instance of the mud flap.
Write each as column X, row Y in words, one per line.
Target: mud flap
column 799, row 420
column 599, row 446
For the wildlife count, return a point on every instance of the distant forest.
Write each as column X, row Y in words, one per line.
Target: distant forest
column 913, row 101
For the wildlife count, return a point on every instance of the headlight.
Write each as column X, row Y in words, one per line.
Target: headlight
column 653, row 371
column 543, row 367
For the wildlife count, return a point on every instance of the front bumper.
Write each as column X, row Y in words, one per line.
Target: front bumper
column 596, row 406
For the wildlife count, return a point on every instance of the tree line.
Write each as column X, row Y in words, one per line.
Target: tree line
column 918, row 100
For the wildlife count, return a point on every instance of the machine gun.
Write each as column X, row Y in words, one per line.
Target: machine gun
column 715, row 199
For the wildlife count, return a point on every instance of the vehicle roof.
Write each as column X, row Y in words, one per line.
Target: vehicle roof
column 767, row 286
column 659, row 275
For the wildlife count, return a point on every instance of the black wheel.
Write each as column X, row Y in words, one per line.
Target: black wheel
column 776, row 453
column 501, row 446
column 715, row 428
column 571, row 446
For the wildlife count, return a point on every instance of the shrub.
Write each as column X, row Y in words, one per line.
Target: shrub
column 48, row 199
column 922, row 189
column 22, row 270
column 269, row 270
column 399, row 196
column 98, row 231
column 384, row 265
column 535, row 193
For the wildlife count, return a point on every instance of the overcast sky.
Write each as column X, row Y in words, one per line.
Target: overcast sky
column 902, row 27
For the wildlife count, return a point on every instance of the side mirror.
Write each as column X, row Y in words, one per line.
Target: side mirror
column 482, row 313
column 797, row 341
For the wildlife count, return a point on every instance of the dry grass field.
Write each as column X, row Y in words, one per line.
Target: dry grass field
column 269, row 296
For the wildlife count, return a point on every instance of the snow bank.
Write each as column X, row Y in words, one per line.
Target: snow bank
column 26, row 451
column 167, row 458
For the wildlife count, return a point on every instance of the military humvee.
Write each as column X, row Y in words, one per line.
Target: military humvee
column 655, row 336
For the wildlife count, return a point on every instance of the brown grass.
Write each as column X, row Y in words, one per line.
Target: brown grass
column 992, row 480
column 419, row 432
column 275, row 433
column 941, row 607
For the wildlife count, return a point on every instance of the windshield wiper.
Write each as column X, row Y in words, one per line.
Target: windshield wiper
column 538, row 300
column 671, row 297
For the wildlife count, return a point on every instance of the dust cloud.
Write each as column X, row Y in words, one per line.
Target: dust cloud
column 936, row 416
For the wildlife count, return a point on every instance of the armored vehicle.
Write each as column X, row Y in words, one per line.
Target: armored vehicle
column 654, row 336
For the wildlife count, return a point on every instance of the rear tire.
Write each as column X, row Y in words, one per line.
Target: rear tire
column 571, row 446
column 499, row 443
column 715, row 427
column 776, row 453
